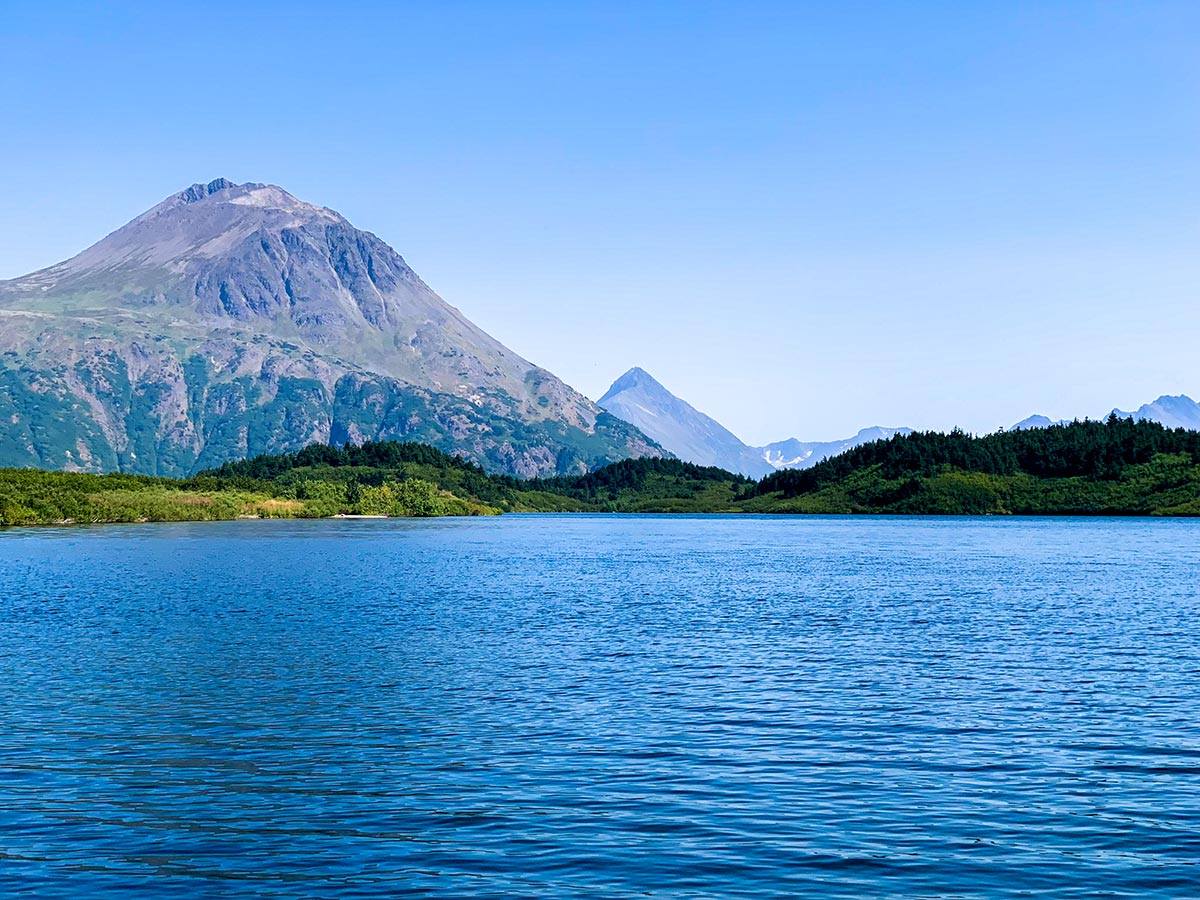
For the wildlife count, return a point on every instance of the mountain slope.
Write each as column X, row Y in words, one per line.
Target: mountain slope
column 232, row 320
column 679, row 427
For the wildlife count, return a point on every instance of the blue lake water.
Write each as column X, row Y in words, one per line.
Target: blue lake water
column 538, row 706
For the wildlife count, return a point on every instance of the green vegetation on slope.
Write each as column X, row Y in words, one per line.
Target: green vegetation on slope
column 374, row 478
column 1117, row 467
column 650, row 485
column 632, row 485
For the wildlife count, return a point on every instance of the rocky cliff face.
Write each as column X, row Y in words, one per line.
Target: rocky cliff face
column 231, row 320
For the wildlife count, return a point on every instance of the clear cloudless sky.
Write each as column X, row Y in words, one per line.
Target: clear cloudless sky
column 803, row 218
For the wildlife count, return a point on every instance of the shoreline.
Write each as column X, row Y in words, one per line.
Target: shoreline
column 740, row 514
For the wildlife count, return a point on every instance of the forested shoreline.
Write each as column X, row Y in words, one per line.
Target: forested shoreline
column 1115, row 467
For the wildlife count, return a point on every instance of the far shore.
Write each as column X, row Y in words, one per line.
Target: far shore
column 722, row 514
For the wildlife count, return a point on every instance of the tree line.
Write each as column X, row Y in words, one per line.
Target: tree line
column 1090, row 449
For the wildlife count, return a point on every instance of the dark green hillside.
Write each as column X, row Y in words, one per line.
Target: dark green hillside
column 632, row 485
column 375, row 478
column 372, row 464
column 1115, row 467
column 651, row 485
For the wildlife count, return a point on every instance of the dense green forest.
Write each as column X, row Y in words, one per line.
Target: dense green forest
column 1116, row 467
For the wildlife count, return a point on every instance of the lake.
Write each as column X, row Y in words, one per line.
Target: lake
column 602, row 706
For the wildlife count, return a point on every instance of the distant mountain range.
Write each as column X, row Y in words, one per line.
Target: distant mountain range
column 695, row 437
column 234, row 319
column 1174, row 412
column 1038, row 422
column 794, row 454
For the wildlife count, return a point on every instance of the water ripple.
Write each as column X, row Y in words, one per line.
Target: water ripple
column 602, row 706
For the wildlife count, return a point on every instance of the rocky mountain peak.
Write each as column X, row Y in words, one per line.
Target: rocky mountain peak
column 637, row 398
column 200, row 191
column 636, row 377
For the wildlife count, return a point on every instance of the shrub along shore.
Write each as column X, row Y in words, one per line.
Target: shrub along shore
column 35, row 497
column 1116, row 467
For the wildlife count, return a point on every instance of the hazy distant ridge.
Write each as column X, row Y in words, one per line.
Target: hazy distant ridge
column 695, row 437
column 637, row 398
column 1179, row 411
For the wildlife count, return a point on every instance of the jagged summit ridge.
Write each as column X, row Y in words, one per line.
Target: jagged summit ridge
column 200, row 191
column 181, row 233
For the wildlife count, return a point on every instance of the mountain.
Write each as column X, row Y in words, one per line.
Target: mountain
column 1037, row 422
column 1173, row 412
column 679, row 427
column 234, row 319
column 794, row 454
column 692, row 436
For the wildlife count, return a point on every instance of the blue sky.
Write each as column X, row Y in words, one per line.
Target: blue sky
column 802, row 218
